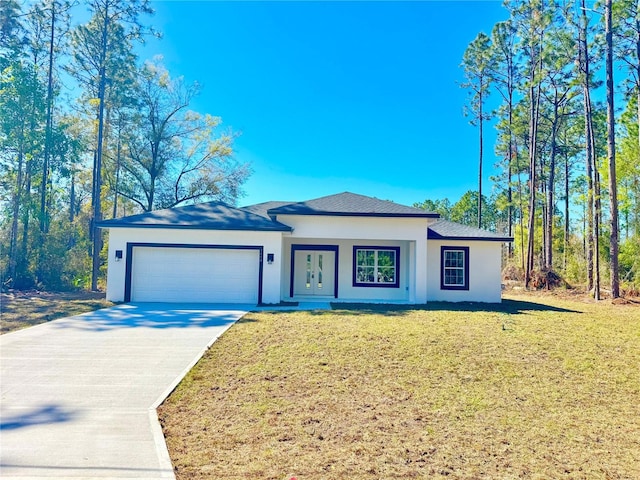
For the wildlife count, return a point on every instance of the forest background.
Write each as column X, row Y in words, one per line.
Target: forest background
column 561, row 80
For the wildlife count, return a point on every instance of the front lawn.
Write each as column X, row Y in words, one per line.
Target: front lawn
column 541, row 388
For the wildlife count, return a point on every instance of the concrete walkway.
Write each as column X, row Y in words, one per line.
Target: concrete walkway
column 78, row 395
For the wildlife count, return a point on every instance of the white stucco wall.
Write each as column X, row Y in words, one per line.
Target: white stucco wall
column 484, row 272
column 407, row 233
column 118, row 238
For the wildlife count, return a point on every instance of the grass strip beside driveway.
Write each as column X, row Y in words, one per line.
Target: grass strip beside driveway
column 549, row 390
column 22, row 309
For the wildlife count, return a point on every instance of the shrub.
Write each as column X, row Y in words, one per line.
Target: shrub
column 513, row 272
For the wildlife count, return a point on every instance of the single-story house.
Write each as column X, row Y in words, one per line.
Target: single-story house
column 344, row 248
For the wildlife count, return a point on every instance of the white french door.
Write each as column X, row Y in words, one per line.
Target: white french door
column 314, row 272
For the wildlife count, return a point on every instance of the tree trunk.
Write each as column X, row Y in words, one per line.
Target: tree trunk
column 72, row 199
column 534, row 117
column 117, row 179
column 512, row 155
column 49, row 122
column 533, row 130
column 13, row 234
column 566, row 211
column 23, row 256
column 480, row 124
column 597, row 213
column 532, row 203
column 509, row 211
column 638, row 75
column 521, row 219
column 550, row 188
column 589, row 213
column 611, row 154
column 152, row 193
column 636, row 184
column 543, row 207
column 591, row 231
column 97, row 182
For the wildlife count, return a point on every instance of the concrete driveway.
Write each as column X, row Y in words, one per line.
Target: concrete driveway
column 79, row 394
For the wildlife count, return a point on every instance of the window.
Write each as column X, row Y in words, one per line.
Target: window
column 376, row 267
column 454, row 274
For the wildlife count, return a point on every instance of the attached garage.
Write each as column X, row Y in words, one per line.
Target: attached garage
column 204, row 253
column 193, row 273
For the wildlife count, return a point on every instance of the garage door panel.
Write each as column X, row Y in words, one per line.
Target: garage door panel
column 203, row 275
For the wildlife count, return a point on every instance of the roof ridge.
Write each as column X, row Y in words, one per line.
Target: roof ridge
column 351, row 204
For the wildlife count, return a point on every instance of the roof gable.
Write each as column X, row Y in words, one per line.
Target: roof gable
column 204, row 216
column 350, row 204
column 446, row 230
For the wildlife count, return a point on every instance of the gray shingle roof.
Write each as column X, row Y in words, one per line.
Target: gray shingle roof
column 351, row 204
column 262, row 209
column 206, row 216
column 444, row 229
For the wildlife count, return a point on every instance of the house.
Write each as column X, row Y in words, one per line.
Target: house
column 344, row 248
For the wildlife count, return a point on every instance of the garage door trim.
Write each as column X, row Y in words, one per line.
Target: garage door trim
column 132, row 245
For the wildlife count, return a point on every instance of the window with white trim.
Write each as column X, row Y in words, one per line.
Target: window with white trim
column 376, row 266
column 454, row 274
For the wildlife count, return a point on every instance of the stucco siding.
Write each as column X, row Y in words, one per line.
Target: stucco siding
column 319, row 226
column 119, row 237
column 484, row 272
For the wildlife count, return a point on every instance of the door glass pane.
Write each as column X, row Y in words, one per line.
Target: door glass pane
column 319, row 270
column 309, row 271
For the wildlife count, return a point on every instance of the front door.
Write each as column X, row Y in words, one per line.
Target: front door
column 314, row 272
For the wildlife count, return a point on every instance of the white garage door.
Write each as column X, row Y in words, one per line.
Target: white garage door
column 201, row 275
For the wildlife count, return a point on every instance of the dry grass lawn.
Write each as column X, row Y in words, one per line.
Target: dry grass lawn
column 540, row 388
column 22, row 309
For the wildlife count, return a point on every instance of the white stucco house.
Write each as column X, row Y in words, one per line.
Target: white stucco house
column 341, row 248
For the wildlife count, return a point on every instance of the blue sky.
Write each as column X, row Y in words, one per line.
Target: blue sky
column 335, row 96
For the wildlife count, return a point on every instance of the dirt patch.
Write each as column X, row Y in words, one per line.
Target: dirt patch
column 25, row 308
column 626, row 301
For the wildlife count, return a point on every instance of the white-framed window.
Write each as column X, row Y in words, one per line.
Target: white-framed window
column 454, row 272
column 376, row 266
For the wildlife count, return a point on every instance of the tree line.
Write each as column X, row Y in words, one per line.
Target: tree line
column 90, row 131
column 561, row 83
